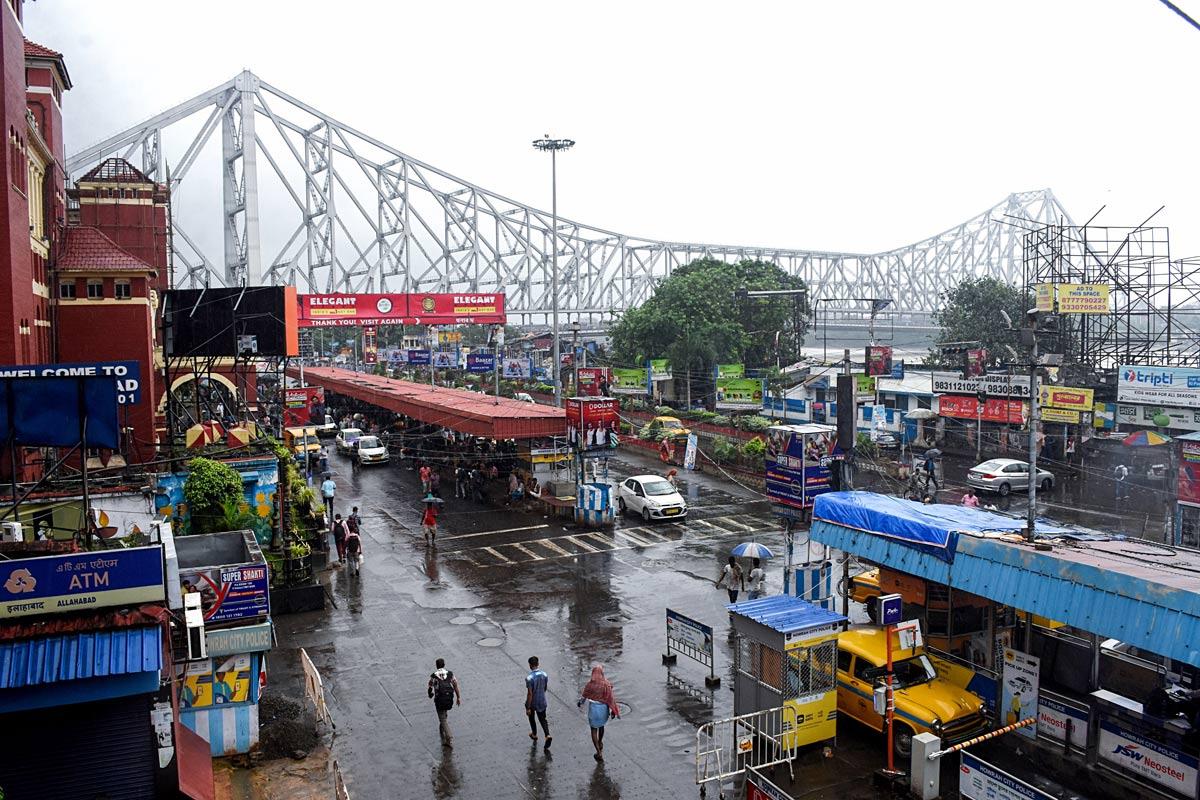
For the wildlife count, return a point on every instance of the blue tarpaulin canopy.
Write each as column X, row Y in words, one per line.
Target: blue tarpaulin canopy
column 932, row 528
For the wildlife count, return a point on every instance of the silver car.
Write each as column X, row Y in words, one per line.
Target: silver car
column 1002, row 475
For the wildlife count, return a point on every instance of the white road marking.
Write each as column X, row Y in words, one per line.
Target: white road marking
column 532, row 555
column 493, row 533
column 550, row 545
column 584, row 545
column 636, row 540
column 735, row 523
column 595, row 537
column 497, row 554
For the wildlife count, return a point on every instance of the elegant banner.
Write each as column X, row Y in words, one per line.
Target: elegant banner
column 325, row 310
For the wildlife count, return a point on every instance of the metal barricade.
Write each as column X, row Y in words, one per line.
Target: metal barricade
column 726, row 748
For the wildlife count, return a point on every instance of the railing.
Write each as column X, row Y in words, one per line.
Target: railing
column 726, row 748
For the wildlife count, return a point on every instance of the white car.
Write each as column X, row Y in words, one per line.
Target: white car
column 1003, row 475
column 651, row 496
column 327, row 428
column 370, row 450
column 346, row 438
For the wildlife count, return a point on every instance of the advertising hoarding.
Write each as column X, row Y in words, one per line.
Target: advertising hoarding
column 217, row 682
column 456, row 309
column 1147, row 759
column 1019, row 690
column 1169, row 386
column 731, row 370
column 660, row 369
column 81, row 581
column 592, row 422
column 418, row 358
column 991, row 385
column 1009, row 412
column 1063, row 415
column 879, row 360
column 1083, row 298
column 798, row 461
column 331, row 310
column 445, row 359
column 629, row 381
column 128, row 375
column 1067, row 397
column 739, row 393
column 229, row 593
column 1045, row 297
column 303, row 405
column 1189, row 473
column 592, row 381
column 516, row 367
column 481, row 362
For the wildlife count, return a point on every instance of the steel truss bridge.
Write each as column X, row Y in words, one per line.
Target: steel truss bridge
column 309, row 201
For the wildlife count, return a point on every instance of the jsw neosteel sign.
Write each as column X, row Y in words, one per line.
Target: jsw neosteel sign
column 1177, row 386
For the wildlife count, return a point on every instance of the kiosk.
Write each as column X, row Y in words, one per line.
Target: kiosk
column 786, row 656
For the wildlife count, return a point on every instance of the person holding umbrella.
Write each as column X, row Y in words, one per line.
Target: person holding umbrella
column 758, row 576
column 429, row 517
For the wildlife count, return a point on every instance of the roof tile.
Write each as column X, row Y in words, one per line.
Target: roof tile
column 115, row 170
column 89, row 250
column 35, row 50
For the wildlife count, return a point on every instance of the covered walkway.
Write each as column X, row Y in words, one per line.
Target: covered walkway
column 466, row 412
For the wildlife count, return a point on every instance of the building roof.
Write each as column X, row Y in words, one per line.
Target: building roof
column 87, row 249
column 74, row 656
column 115, row 170
column 35, row 50
column 1122, row 588
column 457, row 409
column 785, row 613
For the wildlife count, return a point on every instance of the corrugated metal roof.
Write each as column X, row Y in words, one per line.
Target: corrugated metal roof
column 1134, row 591
column 469, row 412
column 785, row 613
column 75, row 656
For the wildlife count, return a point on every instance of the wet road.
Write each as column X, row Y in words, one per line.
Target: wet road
column 503, row 585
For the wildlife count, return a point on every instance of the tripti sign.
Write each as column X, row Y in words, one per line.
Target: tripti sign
column 1178, row 386
column 128, row 375
column 1147, row 759
column 81, row 581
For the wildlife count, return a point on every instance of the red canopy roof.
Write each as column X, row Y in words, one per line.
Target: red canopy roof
column 457, row 409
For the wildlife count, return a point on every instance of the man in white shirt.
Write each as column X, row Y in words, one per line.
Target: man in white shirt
column 758, row 581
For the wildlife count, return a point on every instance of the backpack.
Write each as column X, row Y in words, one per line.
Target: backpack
column 443, row 690
column 353, row 544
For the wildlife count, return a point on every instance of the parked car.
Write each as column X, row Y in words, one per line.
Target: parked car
column 370, row 450
column 662, row 427
column 651, row 496
column 885, row 440
column 925, row 703
column 1003, row 475
column 346, row 438
column 327, row 428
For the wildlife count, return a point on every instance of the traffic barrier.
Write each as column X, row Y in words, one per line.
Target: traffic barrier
column 727, row 748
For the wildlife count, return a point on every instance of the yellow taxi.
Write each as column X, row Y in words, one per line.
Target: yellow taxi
column 925, row 702
column 673, row 427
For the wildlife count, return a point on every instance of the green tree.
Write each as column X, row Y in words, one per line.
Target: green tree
column 970, row 312
column 210, row 487
column 697, row 319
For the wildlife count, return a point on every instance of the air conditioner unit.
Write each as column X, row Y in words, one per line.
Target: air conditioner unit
column 193, row 619
column 13, row 532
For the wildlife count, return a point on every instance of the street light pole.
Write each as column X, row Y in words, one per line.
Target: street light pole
column 553, row 146
column 575, row 354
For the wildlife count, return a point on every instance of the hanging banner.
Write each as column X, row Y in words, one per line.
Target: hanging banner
column 593, row 381
column 1083, row 298
column 481, row 362
column 731, row 370
column 516, row 367
column 418, row 358
column 739, row 393
column 1063, row 415
column 128, row 375
column 370, row 351
column 1188, row 489
column 1067, row 397
column 1010, row 412
column 303, row 406
column 592, row 423
column 660, row 369
column 1019, row 690
column 326, row 310
column 689, row 455
column 629, row 381
column 879, row 360
column 1045, row 297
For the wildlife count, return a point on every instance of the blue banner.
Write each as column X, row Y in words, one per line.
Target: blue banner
column 127, row 374
column 230, row 593
column 481, row 362
column 418, row 358
column 81, row 581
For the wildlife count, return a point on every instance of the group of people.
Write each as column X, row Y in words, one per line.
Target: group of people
column 348, row 540
column 597, row 695
column 734, row 580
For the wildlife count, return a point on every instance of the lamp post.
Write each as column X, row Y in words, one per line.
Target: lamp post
column 575, row 353
column 553, row 146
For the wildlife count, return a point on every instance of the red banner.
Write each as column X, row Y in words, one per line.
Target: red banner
column 1189, row 473
column 331, row 310
column 303, row 406
column 879, row 361
column 592, row 423
column 995, row 409
column 592, row 381
column 370, row 351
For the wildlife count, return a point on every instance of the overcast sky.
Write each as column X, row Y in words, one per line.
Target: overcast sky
column 857, row 126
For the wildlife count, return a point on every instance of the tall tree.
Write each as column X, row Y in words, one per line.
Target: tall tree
column 970, row 312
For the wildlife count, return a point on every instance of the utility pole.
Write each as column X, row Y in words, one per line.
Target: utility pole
column 499, row 342
column 575, row 353
column 553, row 146
column 1034, row 418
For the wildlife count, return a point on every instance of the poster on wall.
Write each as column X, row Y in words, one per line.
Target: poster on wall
column 1019, row 690
column 798, row 463
column 216, row 682
column 592, row 423
column 516, row 367
column 1189, row 473
column 228, row 594
column 739, row 393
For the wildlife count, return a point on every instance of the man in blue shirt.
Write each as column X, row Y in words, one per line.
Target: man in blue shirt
column 535, row 700
column 328, row 489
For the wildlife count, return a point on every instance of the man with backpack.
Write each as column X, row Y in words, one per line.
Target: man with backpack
column 340, row 531
column 354, row 550
column 443, row 688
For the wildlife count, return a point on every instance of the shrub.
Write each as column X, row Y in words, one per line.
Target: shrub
column 644, row 433
column 755, row 451
column 864, row 445
column 721, row 419
column 664, row 411
column 753, row 423
column 723, row 451
column 209, row 487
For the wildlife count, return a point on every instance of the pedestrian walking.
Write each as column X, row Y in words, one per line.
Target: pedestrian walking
column 443, row 689
column 435, row 481
column 732, row 577
column 340, row 531
column 758, row 581
column 354, row 521
column 328, row 490
column 931, row 470
column 429, row 521
column 460, row 481
column 424, row 473
column 970, row 500
column 354, row 551
column 601, row 707
column 535, row 701
column 673, row 479
column 323, row 461
column 1121, row 473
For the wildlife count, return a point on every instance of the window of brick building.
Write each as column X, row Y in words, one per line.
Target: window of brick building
column 122, row 290
column 95, row 288
column 66, row 290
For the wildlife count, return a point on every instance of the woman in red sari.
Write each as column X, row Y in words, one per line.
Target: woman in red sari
column 601, row 706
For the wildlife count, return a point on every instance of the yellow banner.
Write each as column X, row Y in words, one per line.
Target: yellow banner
column 1067, row 397
column 1083, row 298
column 1060, row 415
column 1045, row 297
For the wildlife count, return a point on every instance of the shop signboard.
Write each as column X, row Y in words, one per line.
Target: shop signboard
column 798, row 462
column 1188, row 488
column 1053, row 718
column 1147, row 759
column 418, row 358
column 1083, row 298
column 244, row 639
column 739, row 393
column 731, row 370
column 81, row 581
column 229, row 593
column 128, row 375
column 1067, row 397
column 1009, row 412
column 1170, row 386
column 660, row 369
column 1187, row 419
column 1019, row 690
column 879, row 360
column 1063, row 415
column 521, row 367
column 979, row 780
column 992, row 385
column 592, row 422
column 629, row 381
column 592, row 381
column 302, row 405
column 481, row 362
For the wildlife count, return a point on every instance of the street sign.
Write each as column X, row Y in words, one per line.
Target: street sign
column 891, row 608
